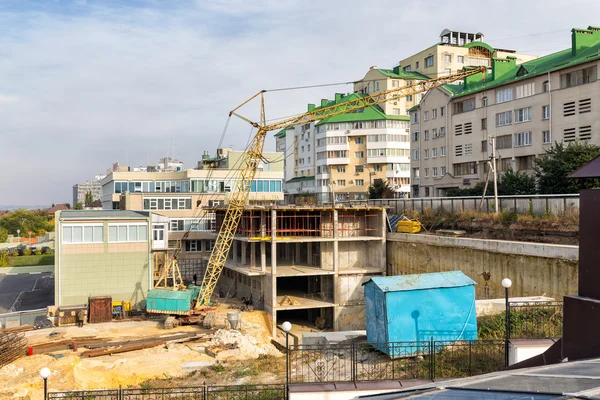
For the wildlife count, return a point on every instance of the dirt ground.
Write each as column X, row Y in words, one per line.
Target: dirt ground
column 159, row 365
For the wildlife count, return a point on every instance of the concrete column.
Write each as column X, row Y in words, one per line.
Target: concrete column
column 244, row 245
column 297, row 254
column 273, row 244
column 263, row 256
column 263, row 224
column 252, row 255
column 235, row 251
column 309, row 254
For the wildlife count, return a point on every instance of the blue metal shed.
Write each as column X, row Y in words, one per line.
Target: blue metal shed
column 421, row 307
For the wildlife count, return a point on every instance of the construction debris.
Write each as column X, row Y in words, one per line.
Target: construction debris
column 232, row 344
column 109, row 348
column 287, row 300
column 12, row 346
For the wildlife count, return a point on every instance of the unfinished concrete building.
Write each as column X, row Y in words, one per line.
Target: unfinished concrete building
column 306, row 265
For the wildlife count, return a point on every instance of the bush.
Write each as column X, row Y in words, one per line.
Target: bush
column 26, row 251
column 15, row 253
column 4, row 258
column 508, row 218
column 38, row 252
column 48, row 251
column 217, row 367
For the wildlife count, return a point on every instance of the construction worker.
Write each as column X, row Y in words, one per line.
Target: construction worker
column 195, row 278
column 80, row 318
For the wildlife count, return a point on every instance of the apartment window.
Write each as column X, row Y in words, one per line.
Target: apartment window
column 417, row 64
column 377, row 86
column 468, row 168
column 484, row 146
column 358, row 169
column 504, row 142
column 407, row 68
column 426, row 172
column 435, row 133
column 447, row 71
column 359, row 140
column 395, row 84
column 426, row 116
column 302, row 149
column 545, row 112
column 523, row 115
column 460, row 59
column 443, row 111
column 426, row 191
column 426, row 154
column 434, row 152
column 341, row 182
column 360, row 182
column 546, row 86
column 409, row 97
column 448, row 58
column 308, row 148
column 546, row 138
column 522, row 139
column 92, row 233
column 341, row 169
column 167, row 203
column 435, row 171
column 377, row 168
column 415, row 154
column 524, row 163
column 443, row 171
column 426, row 136
column 443, row 131
column 578, row 77
column 443, row 151
column 396, row 111
column 484, row 101
column 504, row 95
column 415, row 173
column 193, row 245
column 359, row 154
column 415, row 136
column 127, row 233
column 209, row 245
column 483, row 123
column 524, row 90
column 434, row 113
column 464, row 106
column 428, row 61
column 504, row 118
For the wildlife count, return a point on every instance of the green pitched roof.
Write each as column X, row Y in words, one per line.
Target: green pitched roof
column 414, row 108
column 301, row 179
column 539, row 66
column 373, row 113
column 399, row 73
column 281, row 133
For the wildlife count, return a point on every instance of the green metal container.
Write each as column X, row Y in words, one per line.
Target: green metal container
column 164, row 301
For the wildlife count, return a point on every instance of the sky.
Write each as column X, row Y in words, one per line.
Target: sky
column 85, row 83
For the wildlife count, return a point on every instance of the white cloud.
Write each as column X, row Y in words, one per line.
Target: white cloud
column 85, row 88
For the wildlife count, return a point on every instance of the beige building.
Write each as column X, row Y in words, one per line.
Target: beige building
column 103, row 253
column 525, row 107
column 182, row 196
column 454, row 51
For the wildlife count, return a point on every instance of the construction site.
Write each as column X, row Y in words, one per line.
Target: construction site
column 306, row 265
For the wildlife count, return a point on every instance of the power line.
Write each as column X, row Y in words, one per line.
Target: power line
column 310, row 86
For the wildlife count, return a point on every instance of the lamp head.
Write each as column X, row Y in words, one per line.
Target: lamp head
column 506, row 283
column 286, row 326
column 45, row 373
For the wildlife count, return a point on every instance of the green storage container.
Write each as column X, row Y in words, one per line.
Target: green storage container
column 164, row 301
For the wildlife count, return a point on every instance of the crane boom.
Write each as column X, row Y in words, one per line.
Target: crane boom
column 254, row 155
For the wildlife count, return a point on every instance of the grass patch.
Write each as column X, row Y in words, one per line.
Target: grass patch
column 23, row 261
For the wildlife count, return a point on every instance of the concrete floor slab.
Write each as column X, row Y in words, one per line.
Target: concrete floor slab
column 305, row 302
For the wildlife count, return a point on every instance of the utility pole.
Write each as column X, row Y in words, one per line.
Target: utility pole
column 495, row 173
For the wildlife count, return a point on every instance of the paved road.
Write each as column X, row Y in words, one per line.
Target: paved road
column 12, row 285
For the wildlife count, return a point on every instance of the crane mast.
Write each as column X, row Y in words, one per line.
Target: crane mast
column 254, row 155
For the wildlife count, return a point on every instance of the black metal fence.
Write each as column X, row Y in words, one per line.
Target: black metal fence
column 536, row 320
column 354, row 362
column 237, row 392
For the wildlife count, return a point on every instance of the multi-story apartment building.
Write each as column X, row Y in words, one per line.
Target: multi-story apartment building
column 183, row 196
column 81, row 189
column 454, row 51
column 525, row 108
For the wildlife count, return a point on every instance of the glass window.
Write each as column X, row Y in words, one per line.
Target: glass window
column 98, row 234
column 77, row 234
column 112, row 233
column 88, row 234
column 122, row 233
column 133, row 233
column 67, row 234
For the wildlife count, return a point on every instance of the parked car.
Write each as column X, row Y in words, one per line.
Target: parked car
column 33, row 250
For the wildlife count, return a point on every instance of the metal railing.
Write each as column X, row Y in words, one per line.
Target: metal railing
column 234, row 392
column 536, row 320
column 538, row 204
column 20, row 318
column 355, row 362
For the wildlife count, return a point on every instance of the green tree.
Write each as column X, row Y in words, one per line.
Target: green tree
column 3, row 235
column 552, row 169
column 380, row 190
column 89, row 198
column 78, row 206
column 26, row 221
column 513, row 183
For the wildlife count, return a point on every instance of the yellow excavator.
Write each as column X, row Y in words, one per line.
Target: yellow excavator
column 253, row 157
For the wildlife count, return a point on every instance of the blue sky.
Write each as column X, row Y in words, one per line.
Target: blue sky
column 86, row 83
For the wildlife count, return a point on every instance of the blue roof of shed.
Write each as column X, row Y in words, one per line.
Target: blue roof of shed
column 403, row 283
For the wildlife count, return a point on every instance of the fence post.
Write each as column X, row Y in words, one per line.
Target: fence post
column 353, row 359
column 393, row 353
column 431, row 359
column 470, row 358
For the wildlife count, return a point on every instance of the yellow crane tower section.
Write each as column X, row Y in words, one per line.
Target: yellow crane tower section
column 254, row 155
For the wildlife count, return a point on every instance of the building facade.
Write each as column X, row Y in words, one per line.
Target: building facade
column 104, row 253
column 524, row 108
column 81, row 189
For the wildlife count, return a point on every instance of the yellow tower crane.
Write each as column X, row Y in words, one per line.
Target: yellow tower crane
column 254, row 155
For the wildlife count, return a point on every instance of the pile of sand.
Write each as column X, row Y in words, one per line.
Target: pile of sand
column 246, row 346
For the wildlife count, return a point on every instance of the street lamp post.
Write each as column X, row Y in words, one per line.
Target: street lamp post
column 506, row 283
column 45, row 373
column 369, row 171
column 287, row 327
column 19, row 234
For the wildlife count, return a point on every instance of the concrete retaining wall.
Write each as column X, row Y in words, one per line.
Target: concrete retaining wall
column 536, row 269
